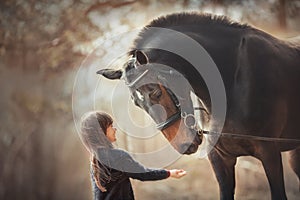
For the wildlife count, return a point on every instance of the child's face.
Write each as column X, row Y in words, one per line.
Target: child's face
column 111, row 133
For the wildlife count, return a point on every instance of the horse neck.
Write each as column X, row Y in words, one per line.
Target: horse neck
column 222, row 44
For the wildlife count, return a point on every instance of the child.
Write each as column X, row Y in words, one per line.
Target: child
column 111, row 168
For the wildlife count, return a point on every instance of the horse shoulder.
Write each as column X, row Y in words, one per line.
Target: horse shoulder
column 259, row 84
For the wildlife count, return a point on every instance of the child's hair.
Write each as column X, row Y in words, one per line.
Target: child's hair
column 93, row 135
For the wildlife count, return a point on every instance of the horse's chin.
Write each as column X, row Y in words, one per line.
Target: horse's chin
column 188, row 149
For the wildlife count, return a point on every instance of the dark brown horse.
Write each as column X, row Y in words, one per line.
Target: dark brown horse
column 261, row 77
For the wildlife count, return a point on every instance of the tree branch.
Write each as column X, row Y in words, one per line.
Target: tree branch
column 108, row 4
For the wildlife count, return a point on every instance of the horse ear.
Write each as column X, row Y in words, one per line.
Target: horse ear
column 141, row 57
column 110, row 73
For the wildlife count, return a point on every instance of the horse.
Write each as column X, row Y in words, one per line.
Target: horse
column 261, row 78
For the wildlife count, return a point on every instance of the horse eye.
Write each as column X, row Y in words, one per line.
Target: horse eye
column 156, row 94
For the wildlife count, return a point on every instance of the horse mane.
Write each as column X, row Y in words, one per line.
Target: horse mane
column 294, row 42
column 193, row 18
column 185, row 18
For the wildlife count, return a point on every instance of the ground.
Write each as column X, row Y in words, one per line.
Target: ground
column 200, row 182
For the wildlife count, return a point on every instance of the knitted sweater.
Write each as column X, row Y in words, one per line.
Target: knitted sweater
column 122, row 167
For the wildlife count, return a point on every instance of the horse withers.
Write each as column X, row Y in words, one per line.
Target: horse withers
column 261, row 76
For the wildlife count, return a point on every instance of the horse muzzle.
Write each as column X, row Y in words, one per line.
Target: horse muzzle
column 190, row 148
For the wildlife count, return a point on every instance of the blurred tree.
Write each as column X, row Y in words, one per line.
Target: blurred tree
column 41, row 47
column 282, row 14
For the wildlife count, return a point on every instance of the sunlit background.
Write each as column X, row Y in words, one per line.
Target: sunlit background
column 44, row 45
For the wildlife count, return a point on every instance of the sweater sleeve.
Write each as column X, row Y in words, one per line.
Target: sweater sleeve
column 150, row 175
column 135, row 170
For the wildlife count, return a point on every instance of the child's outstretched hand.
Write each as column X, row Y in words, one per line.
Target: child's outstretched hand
column 177, row 173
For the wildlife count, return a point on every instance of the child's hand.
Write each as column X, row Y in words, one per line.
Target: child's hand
column 177, row 173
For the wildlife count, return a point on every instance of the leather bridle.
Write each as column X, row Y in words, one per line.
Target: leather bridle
column 178, row 114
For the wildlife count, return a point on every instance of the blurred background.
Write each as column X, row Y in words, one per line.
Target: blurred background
column 44, row 46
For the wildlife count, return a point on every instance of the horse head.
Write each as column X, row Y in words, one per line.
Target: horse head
column 163, row 93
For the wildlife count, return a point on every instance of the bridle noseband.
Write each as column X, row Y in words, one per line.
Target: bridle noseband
column 168, row 122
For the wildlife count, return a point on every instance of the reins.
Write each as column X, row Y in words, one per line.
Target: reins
column 250, row 137
column 241, row 136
